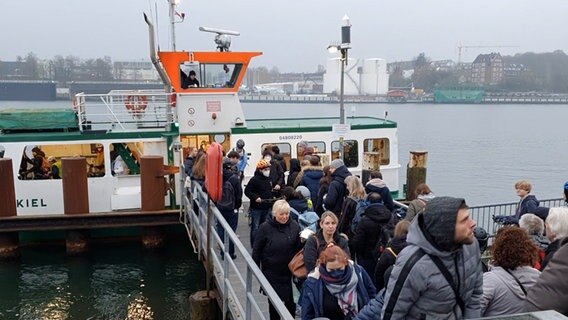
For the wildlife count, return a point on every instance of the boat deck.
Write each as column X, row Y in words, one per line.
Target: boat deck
column 311, row 124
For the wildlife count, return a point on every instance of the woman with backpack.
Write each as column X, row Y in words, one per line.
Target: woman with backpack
column 356, row 197
column 388, row 257
column 373, row 233
column 230, row 202
column 322, row 190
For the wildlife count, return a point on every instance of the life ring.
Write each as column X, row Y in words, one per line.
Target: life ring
column 136, row 103
column 213, row 173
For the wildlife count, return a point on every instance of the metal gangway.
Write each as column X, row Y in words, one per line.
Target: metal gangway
column 237, row 281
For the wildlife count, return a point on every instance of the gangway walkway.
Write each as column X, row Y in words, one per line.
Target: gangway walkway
column 238, row 281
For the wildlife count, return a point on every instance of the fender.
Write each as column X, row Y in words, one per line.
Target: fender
column 213, row 172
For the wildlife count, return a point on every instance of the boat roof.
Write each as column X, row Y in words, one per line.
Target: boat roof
column 310, row 124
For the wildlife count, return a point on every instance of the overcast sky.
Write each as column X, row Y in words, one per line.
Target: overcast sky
column 293, row 34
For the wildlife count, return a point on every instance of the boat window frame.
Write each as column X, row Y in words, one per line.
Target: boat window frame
column 311, row 144
column 278, row 144
column 232, row 79
column 347, row 162
column 383, row 163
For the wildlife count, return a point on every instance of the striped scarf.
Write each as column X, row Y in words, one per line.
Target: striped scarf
column 344, row 288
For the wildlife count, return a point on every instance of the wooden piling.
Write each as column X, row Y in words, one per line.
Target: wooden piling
column 9, row 241
column 202, row 305
column 415, row 172
column 152, row 191
column 75, row 200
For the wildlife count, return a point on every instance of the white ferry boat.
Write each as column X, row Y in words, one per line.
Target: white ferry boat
column 122, row 126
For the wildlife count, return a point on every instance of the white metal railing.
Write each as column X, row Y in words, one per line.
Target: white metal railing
column 237, row 286
column 124, row 110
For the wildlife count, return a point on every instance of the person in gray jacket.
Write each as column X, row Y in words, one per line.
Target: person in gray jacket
column 438, row 275
column 505, row 285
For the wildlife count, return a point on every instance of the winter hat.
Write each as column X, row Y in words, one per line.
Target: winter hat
column 304, row 191
column 336, row 163
column 438, row 221
column 226, row 163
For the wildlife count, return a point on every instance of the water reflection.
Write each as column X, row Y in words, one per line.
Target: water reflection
column 119, row 281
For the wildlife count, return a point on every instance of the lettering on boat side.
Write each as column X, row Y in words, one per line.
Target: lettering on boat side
column 30, row 203
column 291, row 137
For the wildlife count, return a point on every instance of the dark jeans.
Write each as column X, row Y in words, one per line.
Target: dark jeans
column 284, row 291
column 257, row 217
column 232, row 219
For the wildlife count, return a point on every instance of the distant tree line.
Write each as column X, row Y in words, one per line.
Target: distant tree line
column 543, row 72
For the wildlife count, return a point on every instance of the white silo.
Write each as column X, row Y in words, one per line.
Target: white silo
column 332, row 80
column 374, row 77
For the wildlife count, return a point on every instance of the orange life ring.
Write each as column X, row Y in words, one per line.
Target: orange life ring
column 214, row 173
column 136, row 103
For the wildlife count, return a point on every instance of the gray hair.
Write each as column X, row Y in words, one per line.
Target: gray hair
column 281, row 206
column 532, row 224
column 557, row 222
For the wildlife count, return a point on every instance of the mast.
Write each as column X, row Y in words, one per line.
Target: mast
column 173, row 4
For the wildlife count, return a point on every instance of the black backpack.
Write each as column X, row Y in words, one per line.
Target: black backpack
column 227, row 201
column 385, row 237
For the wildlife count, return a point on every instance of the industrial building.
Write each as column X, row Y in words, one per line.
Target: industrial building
column 362, row 77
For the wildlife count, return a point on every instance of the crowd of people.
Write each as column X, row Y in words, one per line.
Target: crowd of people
column 364, row 260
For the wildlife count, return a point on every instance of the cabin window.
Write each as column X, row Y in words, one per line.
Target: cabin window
column 376, row 152
column 285, row 151
column 221, row 75
column 350, row 152
column 44, row 162
column 319, row 146
column 203, row 141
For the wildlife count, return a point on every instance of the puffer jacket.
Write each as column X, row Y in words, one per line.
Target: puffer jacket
column 379, row 186
column 426, row 294
column 311, row 180
column 337, row 190
column 551, row 289
column 502, row 295
column 372, row 310
column 259, row 186
column 274, row 246
column 368, row 231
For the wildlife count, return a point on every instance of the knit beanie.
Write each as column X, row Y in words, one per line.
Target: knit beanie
column 336, row 163
column 438, row 222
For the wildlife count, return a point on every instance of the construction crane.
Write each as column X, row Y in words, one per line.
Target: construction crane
column 460, row 47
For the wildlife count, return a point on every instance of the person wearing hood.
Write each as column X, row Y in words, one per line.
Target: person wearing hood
column 312, row 176
column 438, row 275
column 423, row 195
column 276, row 243
column 295, row 200
column 231, row 210
column 556, row 229
column 376, row 220
column 276, row 172
column 294, row 170
column 393, row 249
column 278, row 157
column 337, row 190
column 378, row 185
column 259, row 190
column 505, row 286
column 337, row 289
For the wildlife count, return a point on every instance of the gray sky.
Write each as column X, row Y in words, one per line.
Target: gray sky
column 292, row 34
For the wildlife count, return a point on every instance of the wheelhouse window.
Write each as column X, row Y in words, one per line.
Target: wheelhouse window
column 221, row 75
column 285, row 151
column 43, row 162
column 350, row 152
column 376, row 152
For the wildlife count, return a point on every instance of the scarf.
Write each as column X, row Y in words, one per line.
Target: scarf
column 344, row 288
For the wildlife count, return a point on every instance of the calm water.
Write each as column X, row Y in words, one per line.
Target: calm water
column 113, row 281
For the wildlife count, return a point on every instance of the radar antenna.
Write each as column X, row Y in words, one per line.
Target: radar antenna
column 222, row 39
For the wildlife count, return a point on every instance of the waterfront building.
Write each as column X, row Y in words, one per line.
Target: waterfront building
column 487, row 69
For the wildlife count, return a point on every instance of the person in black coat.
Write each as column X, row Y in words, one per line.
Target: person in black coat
column 231, row 215
column 294, row 170
column 388, row 257
column 276, row 172
column 337, row 190
column 259, row 191
column 375, row 220
column 276, row 243
column 322, row 190
column 319, row 241
column 378, row 185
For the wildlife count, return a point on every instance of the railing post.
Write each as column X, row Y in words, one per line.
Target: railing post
column 227, row 256
column 248, row 289
column 208, row 247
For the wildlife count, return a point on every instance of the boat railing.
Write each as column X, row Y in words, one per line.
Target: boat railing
column 124, row 110
column 483, row 215
column 239, row 285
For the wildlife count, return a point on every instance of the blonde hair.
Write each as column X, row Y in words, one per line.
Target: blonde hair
column 281, row 206
column 329, row 214
column 401, row 228
column 523, row 185
column 355, row 187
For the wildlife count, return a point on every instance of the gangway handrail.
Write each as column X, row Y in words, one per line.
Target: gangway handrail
column 200, row 223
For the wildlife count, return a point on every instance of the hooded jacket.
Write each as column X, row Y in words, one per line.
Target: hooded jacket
column 311, row 300
column 274, row 246
column 417, row 205
column 379, row 186
column 311, row 180
column 551, row 289
column 376, row 217
column 387, row 259
column 502, row 295
column 426, row 294
column 337, row 190
column 526, row 205
column 259, row 186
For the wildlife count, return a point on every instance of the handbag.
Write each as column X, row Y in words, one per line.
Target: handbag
column 297, row 266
